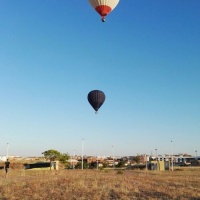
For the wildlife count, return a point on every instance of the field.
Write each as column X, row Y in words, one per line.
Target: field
column 183, row 183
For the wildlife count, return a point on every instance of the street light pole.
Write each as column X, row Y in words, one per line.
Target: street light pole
column 156, row 153
column 146, row 161
column 73, row 158
column 113, row 158
column 97, row 163
column 82, row 151
column 172, row 157
column 196, row 153
column 7, row 150
column 71, row 161
column 156, row 159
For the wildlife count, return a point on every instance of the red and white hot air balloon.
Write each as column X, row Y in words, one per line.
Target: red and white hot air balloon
column 103, row 7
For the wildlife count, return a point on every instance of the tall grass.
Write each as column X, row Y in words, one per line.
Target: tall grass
column 98, row 185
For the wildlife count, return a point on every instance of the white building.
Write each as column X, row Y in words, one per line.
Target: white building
column 3, row 158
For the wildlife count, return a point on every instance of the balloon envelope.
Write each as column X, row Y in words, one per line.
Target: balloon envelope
column 96, row 98
column 103, row 7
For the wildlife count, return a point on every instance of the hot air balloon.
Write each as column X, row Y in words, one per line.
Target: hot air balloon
column 96, row 98
column 103, row 7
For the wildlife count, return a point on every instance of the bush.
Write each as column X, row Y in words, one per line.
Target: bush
column 119, row 172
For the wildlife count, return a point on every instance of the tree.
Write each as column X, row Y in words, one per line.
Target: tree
column 105, row 164
column 121, row 164
column 137, row 159
column 79, row 165
column 64, row 157
column 51, row 155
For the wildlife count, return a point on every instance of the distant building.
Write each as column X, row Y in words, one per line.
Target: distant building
column 179, row 159
column 3, row 158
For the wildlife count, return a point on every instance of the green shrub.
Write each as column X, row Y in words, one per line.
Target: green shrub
column 119, row 172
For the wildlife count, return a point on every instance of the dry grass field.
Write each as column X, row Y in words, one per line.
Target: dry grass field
column 183, row 183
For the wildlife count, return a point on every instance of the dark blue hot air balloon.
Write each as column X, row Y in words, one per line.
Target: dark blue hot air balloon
column 96, row 98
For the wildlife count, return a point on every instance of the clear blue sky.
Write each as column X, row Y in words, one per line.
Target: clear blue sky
column 145, row 57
